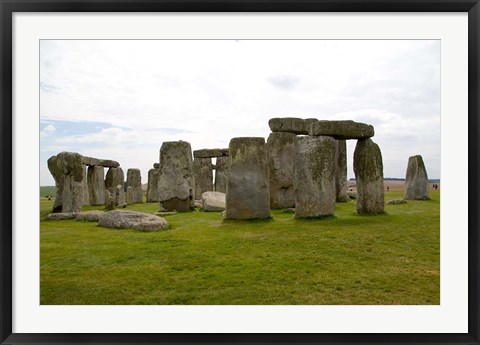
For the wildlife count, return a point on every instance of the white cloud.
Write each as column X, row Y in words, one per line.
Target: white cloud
column 212, row 91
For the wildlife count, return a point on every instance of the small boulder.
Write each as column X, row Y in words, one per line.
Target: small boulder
column 213, row 201
column 118, row 219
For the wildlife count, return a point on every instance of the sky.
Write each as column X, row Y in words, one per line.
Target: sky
column 121, row 99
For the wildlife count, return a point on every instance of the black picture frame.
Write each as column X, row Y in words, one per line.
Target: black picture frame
column 8, row 7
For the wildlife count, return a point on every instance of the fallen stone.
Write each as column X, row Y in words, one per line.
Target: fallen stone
column 368, row 168
column 396, row 201
column 210, row 153
column 167, row 213
column 61, row 216
column 213, row 201
column 198, row 204
column 118, row 219
column 352, row 195
column 248, row 195
column 416, row 181
column 89, row 216
column 341, row 130
column 314, row 177
column 281, row 150
column 176, row 183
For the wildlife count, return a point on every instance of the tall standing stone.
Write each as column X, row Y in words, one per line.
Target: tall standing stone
column 114, row 178
column 86, row 199
column 152, row 186
column 134, row 180
column 416, row 181
column 248, row 195
column 368, row 168
column 341, row 171
column 314, row 177
column 96, row 185
column 281, row 151
column 202, row 168
column 69, row 164
column 221, row 174
column 55, row 169
column 176, row 183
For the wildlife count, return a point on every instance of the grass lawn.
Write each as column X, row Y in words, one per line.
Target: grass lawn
column 347, row 259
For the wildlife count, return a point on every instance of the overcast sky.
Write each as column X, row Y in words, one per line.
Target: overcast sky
column 121, row 99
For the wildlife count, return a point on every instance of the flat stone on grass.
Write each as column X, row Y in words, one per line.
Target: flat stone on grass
column 118, row 219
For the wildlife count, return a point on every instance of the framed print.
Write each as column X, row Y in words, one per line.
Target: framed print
column 239, row 172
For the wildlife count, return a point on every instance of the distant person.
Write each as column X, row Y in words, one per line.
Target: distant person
column 388, row 188
column 49, row 198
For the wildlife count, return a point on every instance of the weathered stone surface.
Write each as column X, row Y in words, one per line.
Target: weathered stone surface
column 109, row 200
column 129, row 195
column 210, row 153
column 342, row 130
column 156, row 165
column 118, row 219
column 198, row 204
column 221, row 174
column 86, row 199
column 61, row 216
column 114, row 178
column 167, row 213
column 176, row 183
column 55, row 169
column 289, row 124
column 341, row 171
column 248, row 195
column 107, row 163
column 96, row 185
column 416, row 181
column 152, row 186
column 70, row 192
column 368, row 168
column 314, row 177
column 134, row 180
column 89, row 216
column 396, row 201
column 281, row 151
column 202, row 168
column 213, row 201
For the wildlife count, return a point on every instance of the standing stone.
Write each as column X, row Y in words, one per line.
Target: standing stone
column 341, row 171
column 416, row 181
column 221, row 174
column 368, row 168
column 55, row 169
column 314, row 177
column 86, row 199
column 152, row 186
column 248, row 195
column 129, row 195
column 68, row 164
column 96, row 185
column 109, row 200
column 202, row 168
column 281, row 151
column 114, row 178
column 176, row 183
column 134, row 180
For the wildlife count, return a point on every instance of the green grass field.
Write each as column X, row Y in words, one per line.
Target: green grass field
column 347, row 259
